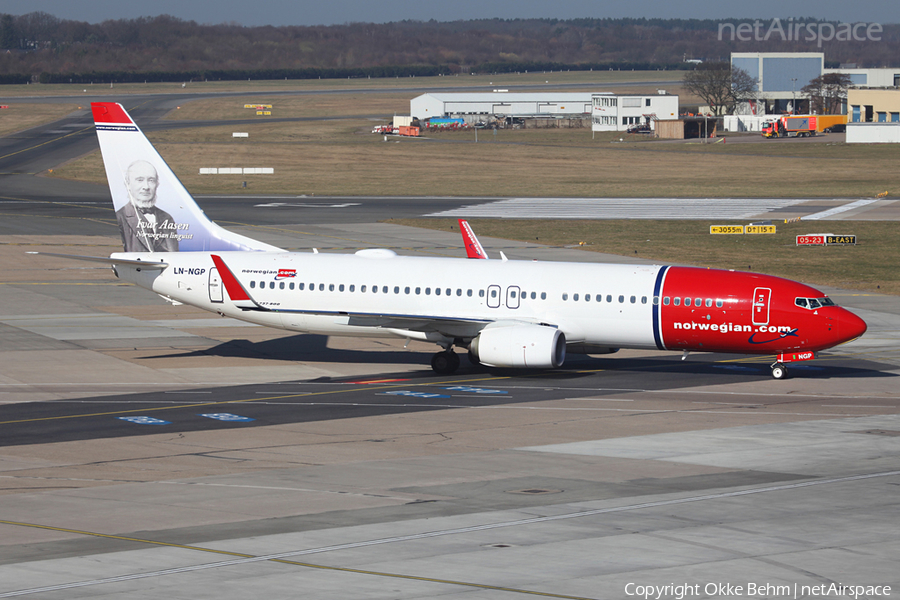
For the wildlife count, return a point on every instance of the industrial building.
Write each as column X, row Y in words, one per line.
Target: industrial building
column 780, row 76
column 873, row 106
column 874, row 116
column 604, row 111
column 614, row 112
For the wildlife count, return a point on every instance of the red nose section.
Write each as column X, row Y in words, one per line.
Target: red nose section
column 850, row 326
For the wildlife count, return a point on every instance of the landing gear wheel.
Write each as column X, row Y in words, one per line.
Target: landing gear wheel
column 779, row 371
column 445, row 363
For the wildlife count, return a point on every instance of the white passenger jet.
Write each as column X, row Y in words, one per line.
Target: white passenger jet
column 507, row 313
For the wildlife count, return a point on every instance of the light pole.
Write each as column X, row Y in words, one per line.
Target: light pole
column 793, row 95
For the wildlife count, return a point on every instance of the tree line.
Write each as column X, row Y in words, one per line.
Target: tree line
column 39, row 46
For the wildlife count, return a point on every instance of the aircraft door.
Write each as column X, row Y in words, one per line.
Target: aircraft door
column 215, row 286
column 493, row 296
column 761, row 297
column 512, row 296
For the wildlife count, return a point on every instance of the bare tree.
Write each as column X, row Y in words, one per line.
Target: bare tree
column 720, row 85
column 827, row 93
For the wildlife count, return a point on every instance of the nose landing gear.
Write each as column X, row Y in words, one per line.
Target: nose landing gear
column 779, row 371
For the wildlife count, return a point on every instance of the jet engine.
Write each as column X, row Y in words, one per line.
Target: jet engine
column 520, row 345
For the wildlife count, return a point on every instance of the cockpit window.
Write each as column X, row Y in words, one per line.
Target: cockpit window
column 813, row 303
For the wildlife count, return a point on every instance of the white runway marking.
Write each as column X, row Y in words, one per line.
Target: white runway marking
column 622, row 208
column 836, row 210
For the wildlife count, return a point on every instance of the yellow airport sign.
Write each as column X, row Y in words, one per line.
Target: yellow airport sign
column 726, row 229
column 759, row 229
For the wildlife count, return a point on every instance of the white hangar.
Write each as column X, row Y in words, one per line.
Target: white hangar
column 501, row 104
column 605, row 111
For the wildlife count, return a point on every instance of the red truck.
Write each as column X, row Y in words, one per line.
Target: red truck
column 790, row 127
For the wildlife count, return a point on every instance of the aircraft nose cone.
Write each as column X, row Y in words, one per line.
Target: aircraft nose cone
column 850, row 326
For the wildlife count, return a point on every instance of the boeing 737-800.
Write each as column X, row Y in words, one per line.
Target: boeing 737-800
column 507, row 313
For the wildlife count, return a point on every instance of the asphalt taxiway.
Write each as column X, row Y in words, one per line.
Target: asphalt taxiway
column 148, row 450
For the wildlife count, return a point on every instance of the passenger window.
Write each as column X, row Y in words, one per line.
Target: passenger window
column 575, row 297
column 609, row 297
column 666, row 300
column 587, row 297
column 352, row 287
column 632, row 299
column 281, row 285
column 687, row 301
column 543, row 295
column 655, row 300
column 312, row 287
column 252, row 284
column 418, row 291
column 384, row 289
column 300, row 286
column 599, row 298
column 565, row 296
column 533, row 295
column 330, row 287
column 493, row 293
column 621, row 299
column 708, row 302
column 374, row 289
column 469, row 293
column 512, row 294
column 362, row 288
column 448, row 291
column 719, row 303
column 437, row 291
column 321, row 287
column 644, row 300
column 271, row 285
column 428, row 291
column 677, row 301
column 459, row 291
column 698, row 302
column 291, row 285
column 406, row 290
column 396, row 289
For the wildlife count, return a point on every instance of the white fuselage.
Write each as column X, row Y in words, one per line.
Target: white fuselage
column 377, row 293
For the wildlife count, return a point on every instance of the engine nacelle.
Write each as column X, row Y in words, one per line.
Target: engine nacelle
column 520, row 346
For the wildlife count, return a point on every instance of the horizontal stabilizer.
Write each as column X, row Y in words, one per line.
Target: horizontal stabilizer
column 109, row 260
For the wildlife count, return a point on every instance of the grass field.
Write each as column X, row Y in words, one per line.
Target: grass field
column 870, row 265
column 340, row 156
column 21, row 116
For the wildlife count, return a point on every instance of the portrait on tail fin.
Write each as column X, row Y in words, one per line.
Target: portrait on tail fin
column 144, row 226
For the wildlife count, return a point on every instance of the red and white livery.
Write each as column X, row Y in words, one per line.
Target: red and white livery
column 506, row 313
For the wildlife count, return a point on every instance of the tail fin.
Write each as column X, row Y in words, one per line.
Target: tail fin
column 155, row 211
column 474, row 249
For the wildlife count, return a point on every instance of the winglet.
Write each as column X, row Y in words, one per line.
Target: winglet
column 236, row 291
column 474, row 249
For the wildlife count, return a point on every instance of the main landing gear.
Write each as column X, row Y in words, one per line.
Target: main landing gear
column 445, row 362
column 779, row 371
